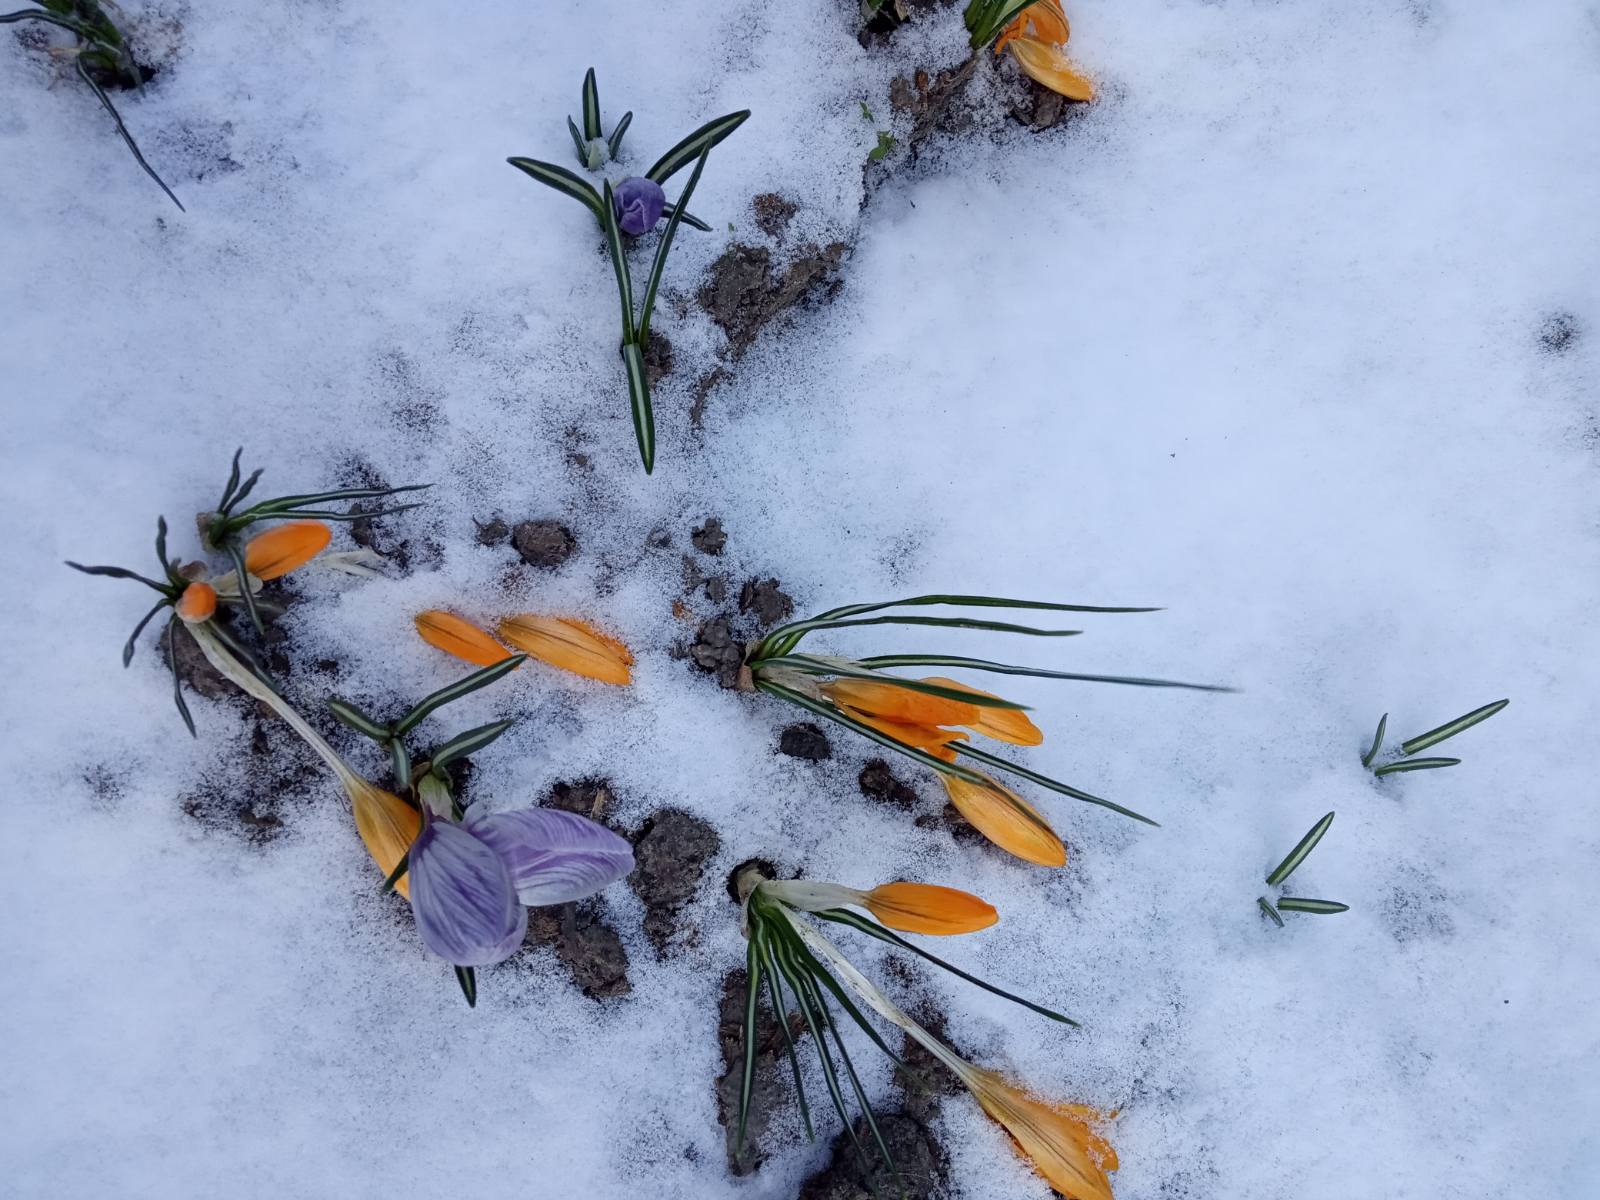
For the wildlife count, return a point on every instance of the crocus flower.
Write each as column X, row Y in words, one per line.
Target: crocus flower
column 570, row 644
column 922, row 720
column 198, row 602
column 285, row 547
column 1006, row 819
column 386, row 823
column 471, row 882
column 1037, row 39
column 448, row 632
column 910, row 907
column 639, row 203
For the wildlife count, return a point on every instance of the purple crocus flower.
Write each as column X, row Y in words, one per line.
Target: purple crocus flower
column 471, row 883
column 639, row 203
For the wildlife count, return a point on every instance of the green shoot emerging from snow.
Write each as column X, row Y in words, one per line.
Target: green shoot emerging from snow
column 1408, row 748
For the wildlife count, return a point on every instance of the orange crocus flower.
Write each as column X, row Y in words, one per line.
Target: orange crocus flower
column 198, row 603
column 920, row 719
column 387, row 825
column 285, row 547
column 928, row 908
column 1061, row 1140
column 1037, row 39
column 1007, row 820
column 570, row 644
column 448, row 632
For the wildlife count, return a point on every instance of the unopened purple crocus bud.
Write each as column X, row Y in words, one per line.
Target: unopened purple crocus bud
column 639, row 203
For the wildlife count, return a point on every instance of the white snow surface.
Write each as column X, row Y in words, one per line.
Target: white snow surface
column 1294, row 333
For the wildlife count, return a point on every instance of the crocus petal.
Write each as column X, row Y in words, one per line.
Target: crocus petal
column 1048, row 21
column 467, row 911
column 552, row 856
column 928, row 908
column 1046, row 64
column 448, row 632
column 284, row 547
column 387, row 824
column 198, row 602
column 927, row 738
column 639, row 204
column 570, row 644
column 894, row 703
column 1007, row 820
column 1003, row 724
column 1059, row 1141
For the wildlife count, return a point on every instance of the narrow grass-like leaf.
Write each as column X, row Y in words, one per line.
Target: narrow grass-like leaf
column 802, row 628
column 462, row 687
column 174, row 628
column 782, row 1014
column 248, row 486
column 1055, row 785
column 578, row 143
column 245, row 655
column 127, row 649
column 1305, row 905
column 820, row 666
column 161, row 545
column 664, row 247
column 247, row 595
column 1415, row 764
column 120, row 573
column 467, row 743
column 400, row 763
column 980, row 664
column 1377, row 741
column 862, row 1102
column 468, row 979
column 752, row 993
column 348, row 714
column 791, row 975
column 369, row 515
column 844, row 916
column 1450, row 728
column 133, row 146
column 669, row 210
column 619, row 260
column 233, row 482
column 562, row 180
column 591, row 105
column 820, row 972
column 1298, row 855
column 1266, row 907
column 48, row 18
column 644, row 417
column 830, row 713
column 281, row 505
column 686, row 151
column 614, row 142
column 400, row 868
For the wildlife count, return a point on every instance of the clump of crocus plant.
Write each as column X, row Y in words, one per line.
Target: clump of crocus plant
column 1035, row 32
column 102, row 55
column 1063, row 1142
column 1407, row 761
column 1279, row 875
column 632, row 208
column 932, row 720
column 564, row 642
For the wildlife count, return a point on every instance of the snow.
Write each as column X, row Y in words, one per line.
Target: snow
column 1264, row 337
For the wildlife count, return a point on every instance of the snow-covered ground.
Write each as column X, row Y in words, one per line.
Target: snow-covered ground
column 1296, row 332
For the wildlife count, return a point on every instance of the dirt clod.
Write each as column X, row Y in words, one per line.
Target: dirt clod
column 709, row 538
column 670, row 852
column 766, row 600
column 590, row 798
column 588, row 947
column 880, row 783
column 716, row 651
column 543, row 544
column 492, row 532
column 743, row 291
column 805, row 740
column 773, row 213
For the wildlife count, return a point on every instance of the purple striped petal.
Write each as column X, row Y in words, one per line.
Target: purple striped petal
column 466, row 908
column 553, row 856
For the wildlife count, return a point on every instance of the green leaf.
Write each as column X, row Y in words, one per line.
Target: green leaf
column 1261, row 902
column 591, row 106
column 664, row 247
column 619, row 261
column 752, row 992
column 468, row 979
column 799, row 629
column 843, row 916
column 161, row 546
column 1415, row 764
column 979, row 664
column 884, row 148
column 282, row 506
column 644, row 418
column 1304, row 905
column 120, row 573
column 578, row 143
column 1377, row 741
column 174, row 628
column 987, row 23
column 348, row 714
column 562, row 180
column 127, row 649
column 325, row 515
column 669, row 210
column 247, row 595
column 467, row 743
column 1045, row 781
column 133, row 146
column 782, row 1014
column 614, row 142
column 1450, row 728
column 820, row 666
column 830, row 713
column 400, row 763
column 396, row 875
column 462, row 687
column 1298, row 855
column 686, row 151
column 233, row 482
column 244, row 655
